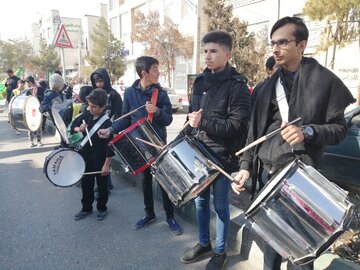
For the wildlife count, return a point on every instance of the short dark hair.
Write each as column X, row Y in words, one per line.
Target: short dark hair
column 30, row 79
column 98, row 97
column 144, row 63
column 9, row 71
column 301, row 32
column 58, row 72
column 270, row 62
column 220, row 37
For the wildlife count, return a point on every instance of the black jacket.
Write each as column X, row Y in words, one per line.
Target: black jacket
column 114, row 106
column 225, row 100
column 318, row 96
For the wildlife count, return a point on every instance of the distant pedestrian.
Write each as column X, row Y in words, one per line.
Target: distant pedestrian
column 11, row 84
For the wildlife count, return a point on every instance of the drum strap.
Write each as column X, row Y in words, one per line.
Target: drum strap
column 94, row 129
column 282, row 102
column 153, row 100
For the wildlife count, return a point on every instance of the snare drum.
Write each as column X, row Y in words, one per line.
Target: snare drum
column 183, row 171
column 300, row 213
column 24, row 113
column 64, row 167
column 135, row 156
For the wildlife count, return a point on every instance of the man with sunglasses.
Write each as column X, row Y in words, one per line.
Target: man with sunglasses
column 311, row 92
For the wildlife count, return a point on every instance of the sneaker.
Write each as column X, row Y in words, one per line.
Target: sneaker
column 217, row 262
column 196, row 253
column 145, row 221
column 101, row 215
column 32, row 145
column 174, row 226
column 82, row 214
column 40, row 144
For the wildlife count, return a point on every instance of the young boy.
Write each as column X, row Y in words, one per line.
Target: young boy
column 97, row 157
column 221, row 92
column 139, row 94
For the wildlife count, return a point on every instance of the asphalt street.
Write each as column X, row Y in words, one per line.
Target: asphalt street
column 37, row 229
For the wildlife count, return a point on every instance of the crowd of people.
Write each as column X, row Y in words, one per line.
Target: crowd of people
column 223, row 114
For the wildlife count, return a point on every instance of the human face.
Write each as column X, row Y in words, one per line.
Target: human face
column 99, row 83
column 151, row 77
column 289, row 54
column 216, row 56
column 95, row 110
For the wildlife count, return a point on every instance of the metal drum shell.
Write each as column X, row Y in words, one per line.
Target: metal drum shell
column 300, row 213
column 24, row 113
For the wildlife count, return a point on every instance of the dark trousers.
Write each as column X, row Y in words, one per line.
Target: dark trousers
column 87, row 187
column 149, row 199
column 272, row 261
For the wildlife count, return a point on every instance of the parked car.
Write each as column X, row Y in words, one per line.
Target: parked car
column 341, row 163
column 175, row 99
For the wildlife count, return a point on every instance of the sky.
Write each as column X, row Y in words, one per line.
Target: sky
column 17, row 16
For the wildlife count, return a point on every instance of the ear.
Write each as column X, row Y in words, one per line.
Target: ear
column 143, row 73
column 302, row 45
column 228, row 55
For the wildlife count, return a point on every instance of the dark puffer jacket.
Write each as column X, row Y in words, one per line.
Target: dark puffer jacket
column 225, row 100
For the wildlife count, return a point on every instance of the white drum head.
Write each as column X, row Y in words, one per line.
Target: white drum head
column 65, row 167
column 59, row 122
column 33, row 116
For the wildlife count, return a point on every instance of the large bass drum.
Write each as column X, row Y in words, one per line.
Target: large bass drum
column 300, row 213
column 24, row 113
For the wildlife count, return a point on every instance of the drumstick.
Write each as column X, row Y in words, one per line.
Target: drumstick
column 188, row 122
column 265, row 137
column 149, row 143
column 131, row 112
column 222, row 171
column 87, row 132
column 87, row 173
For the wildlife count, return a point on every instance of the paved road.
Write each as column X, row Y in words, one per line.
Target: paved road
column 37, row 230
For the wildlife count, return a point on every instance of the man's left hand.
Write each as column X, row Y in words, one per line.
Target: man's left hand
column 292, row 134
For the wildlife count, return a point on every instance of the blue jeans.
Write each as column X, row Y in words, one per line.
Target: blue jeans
column 221, row 188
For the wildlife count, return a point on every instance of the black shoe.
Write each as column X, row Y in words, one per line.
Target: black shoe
column 196, row 253
column 82, row 214
column 101, row 215
column 217, row 262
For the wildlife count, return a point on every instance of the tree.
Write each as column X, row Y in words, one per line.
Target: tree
column 248, row 55
column 108, row 52
column 15, row 53
column 342, row 19
column 164, row 42
column 47, row 61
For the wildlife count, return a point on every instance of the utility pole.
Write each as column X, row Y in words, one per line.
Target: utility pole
column 196, row 57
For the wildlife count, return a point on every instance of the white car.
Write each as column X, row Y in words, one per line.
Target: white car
column 175, row 99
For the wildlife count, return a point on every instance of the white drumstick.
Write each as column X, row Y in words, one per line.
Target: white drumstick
column 188, row 122
column 151, row 144
column 129, row 113
column 87, row 132
column 87, row 173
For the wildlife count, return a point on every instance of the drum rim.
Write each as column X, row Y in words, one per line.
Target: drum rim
column 270, row 186
column 58, row 117
column 128, row 129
